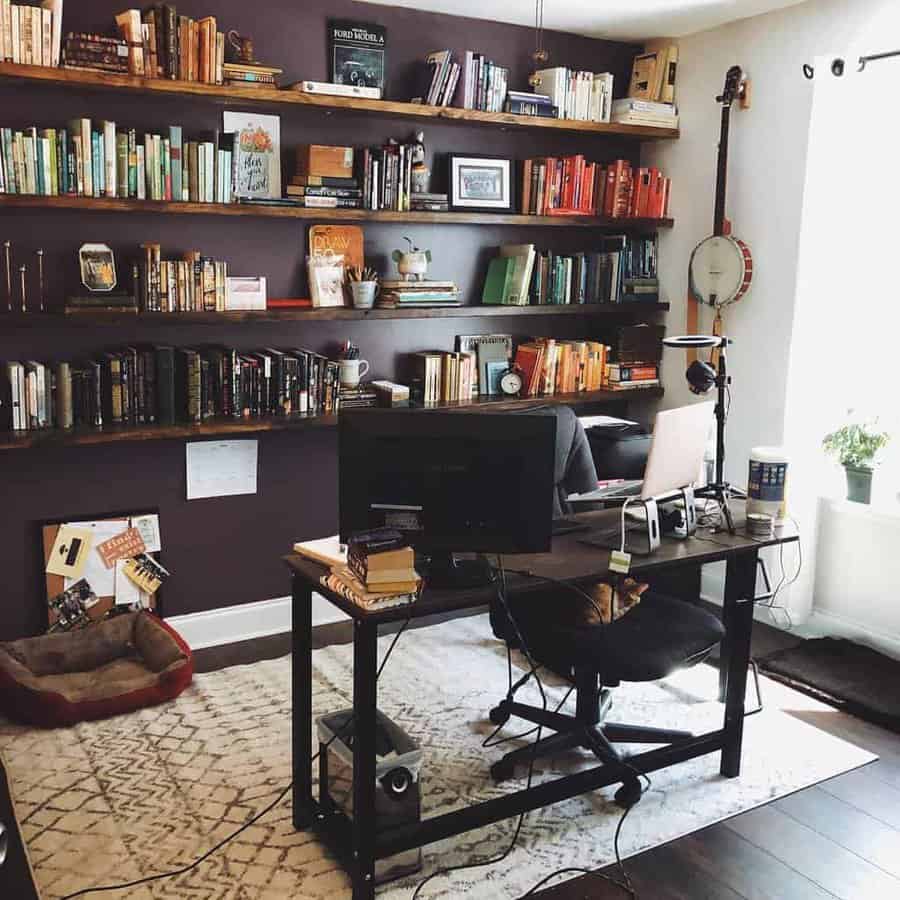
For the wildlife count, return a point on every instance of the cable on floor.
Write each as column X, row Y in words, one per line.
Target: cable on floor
column 192, row 865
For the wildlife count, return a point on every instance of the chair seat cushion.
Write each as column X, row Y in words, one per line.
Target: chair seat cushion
column 649, row 642
column 114, row 666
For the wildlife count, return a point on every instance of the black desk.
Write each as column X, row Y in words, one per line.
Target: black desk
column 356, row 842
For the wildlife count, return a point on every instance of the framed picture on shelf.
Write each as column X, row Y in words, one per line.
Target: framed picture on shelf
column 480, row 183
column 257, row 154
column 97, row 265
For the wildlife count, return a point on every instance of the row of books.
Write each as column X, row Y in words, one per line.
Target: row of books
column 579, row 95
column 106, row 161
column 164, row 385
column 571, row 185
column 30, row 35
column 485, row 83
column 620, row 269
column 549, row 366
column 195, row 283
column 162, row 44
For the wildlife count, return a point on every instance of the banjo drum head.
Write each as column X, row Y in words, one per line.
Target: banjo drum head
column 720, row 270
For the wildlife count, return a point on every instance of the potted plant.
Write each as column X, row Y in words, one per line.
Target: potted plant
column 856, row 447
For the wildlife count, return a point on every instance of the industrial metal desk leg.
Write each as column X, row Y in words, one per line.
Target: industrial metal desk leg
column 365, row 700
column 740, row 588
column 301, row 711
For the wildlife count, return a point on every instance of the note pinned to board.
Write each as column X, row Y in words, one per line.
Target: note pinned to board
column 221, row 468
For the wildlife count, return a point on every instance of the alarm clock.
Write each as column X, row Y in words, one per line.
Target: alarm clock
column 511, row 382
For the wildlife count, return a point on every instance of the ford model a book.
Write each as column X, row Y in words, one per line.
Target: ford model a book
column 357, row 53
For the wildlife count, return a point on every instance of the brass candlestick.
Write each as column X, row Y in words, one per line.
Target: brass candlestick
column 22, row 286
column 40, row 265
column 8, row 256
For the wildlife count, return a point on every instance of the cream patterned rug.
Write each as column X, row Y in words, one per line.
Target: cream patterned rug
column 116, row 800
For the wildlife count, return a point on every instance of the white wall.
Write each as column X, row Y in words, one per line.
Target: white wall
column 857, row 571
column 766, row 179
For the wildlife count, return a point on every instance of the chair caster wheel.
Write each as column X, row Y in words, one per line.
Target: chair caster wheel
column 498, row 715
column 502, row 770
column 629, row 794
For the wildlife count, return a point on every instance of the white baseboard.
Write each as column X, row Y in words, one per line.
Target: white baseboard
column 822, row 623
column 247, row 621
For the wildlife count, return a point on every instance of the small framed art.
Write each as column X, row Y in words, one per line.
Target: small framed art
column 480, row 183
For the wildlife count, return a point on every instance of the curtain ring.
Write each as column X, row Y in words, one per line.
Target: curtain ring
column 808, row 71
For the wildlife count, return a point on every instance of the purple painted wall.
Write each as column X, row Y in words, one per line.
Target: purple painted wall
column 225, row 551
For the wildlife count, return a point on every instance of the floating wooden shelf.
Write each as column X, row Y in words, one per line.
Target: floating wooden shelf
column 274, row 96
column 54, row 437
column 91, row 319
column 110, row 204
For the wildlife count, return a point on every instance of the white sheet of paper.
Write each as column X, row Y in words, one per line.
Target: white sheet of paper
column 148, row 526
column 221, row 468
column 127, row 592
column 101, row 579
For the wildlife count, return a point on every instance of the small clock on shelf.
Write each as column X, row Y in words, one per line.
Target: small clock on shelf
column 511, row 382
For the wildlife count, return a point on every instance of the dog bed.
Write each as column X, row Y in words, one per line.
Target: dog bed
column 115, row 666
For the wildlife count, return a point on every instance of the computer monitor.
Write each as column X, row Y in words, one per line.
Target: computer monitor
column 451, row 482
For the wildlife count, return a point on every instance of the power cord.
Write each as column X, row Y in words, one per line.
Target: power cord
column 187, row 868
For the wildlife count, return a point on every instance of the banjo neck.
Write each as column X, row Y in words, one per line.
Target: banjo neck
column 722, row 173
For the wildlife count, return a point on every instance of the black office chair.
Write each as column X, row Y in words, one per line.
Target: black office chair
column 652, row 640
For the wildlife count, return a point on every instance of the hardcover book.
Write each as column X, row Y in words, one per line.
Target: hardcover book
column 356, row 51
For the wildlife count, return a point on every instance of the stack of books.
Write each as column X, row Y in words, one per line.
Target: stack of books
column 623, row 376
column 361, row 397
column 400, row 294
column 30, row 35
column 550, row 366
column 325, row 178
column 520, row 103
column 485, row 84
column 94, row 53
column 380, row 571
column 97, row 159
column 422, row 202
column 249, row 74
column 630, row 111
column 163, row 385
column 582, row 96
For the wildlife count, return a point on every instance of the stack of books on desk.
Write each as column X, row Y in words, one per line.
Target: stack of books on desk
column 360, row 397
column 398, row 294
column 379, row 572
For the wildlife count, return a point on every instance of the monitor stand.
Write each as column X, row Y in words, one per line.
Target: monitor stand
column 444, row 572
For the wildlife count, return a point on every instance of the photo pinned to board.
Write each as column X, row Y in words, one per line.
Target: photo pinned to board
column 100, row 566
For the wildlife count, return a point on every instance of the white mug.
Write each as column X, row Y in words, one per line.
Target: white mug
column 352, row 370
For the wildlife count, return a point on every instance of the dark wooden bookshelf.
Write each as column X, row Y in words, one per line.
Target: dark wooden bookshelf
column 74, row 78
column 171, row 207
column 92, row 319
column 111, row 434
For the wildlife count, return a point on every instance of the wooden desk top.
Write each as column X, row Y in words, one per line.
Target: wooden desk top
column 569, row 561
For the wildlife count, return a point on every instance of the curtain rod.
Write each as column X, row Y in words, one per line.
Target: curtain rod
column 838, row 65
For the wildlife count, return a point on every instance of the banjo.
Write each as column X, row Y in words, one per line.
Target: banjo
column 721, row 267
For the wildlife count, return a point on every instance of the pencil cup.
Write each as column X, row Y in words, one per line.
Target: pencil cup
column 363, row 294
column 352, row 370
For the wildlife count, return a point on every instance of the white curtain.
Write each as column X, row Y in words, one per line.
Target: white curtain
column 845, row 345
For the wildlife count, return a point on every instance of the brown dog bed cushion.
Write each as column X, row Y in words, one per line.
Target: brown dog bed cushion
column 115, row 666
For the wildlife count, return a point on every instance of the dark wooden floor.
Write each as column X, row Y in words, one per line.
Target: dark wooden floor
column 839, row 839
